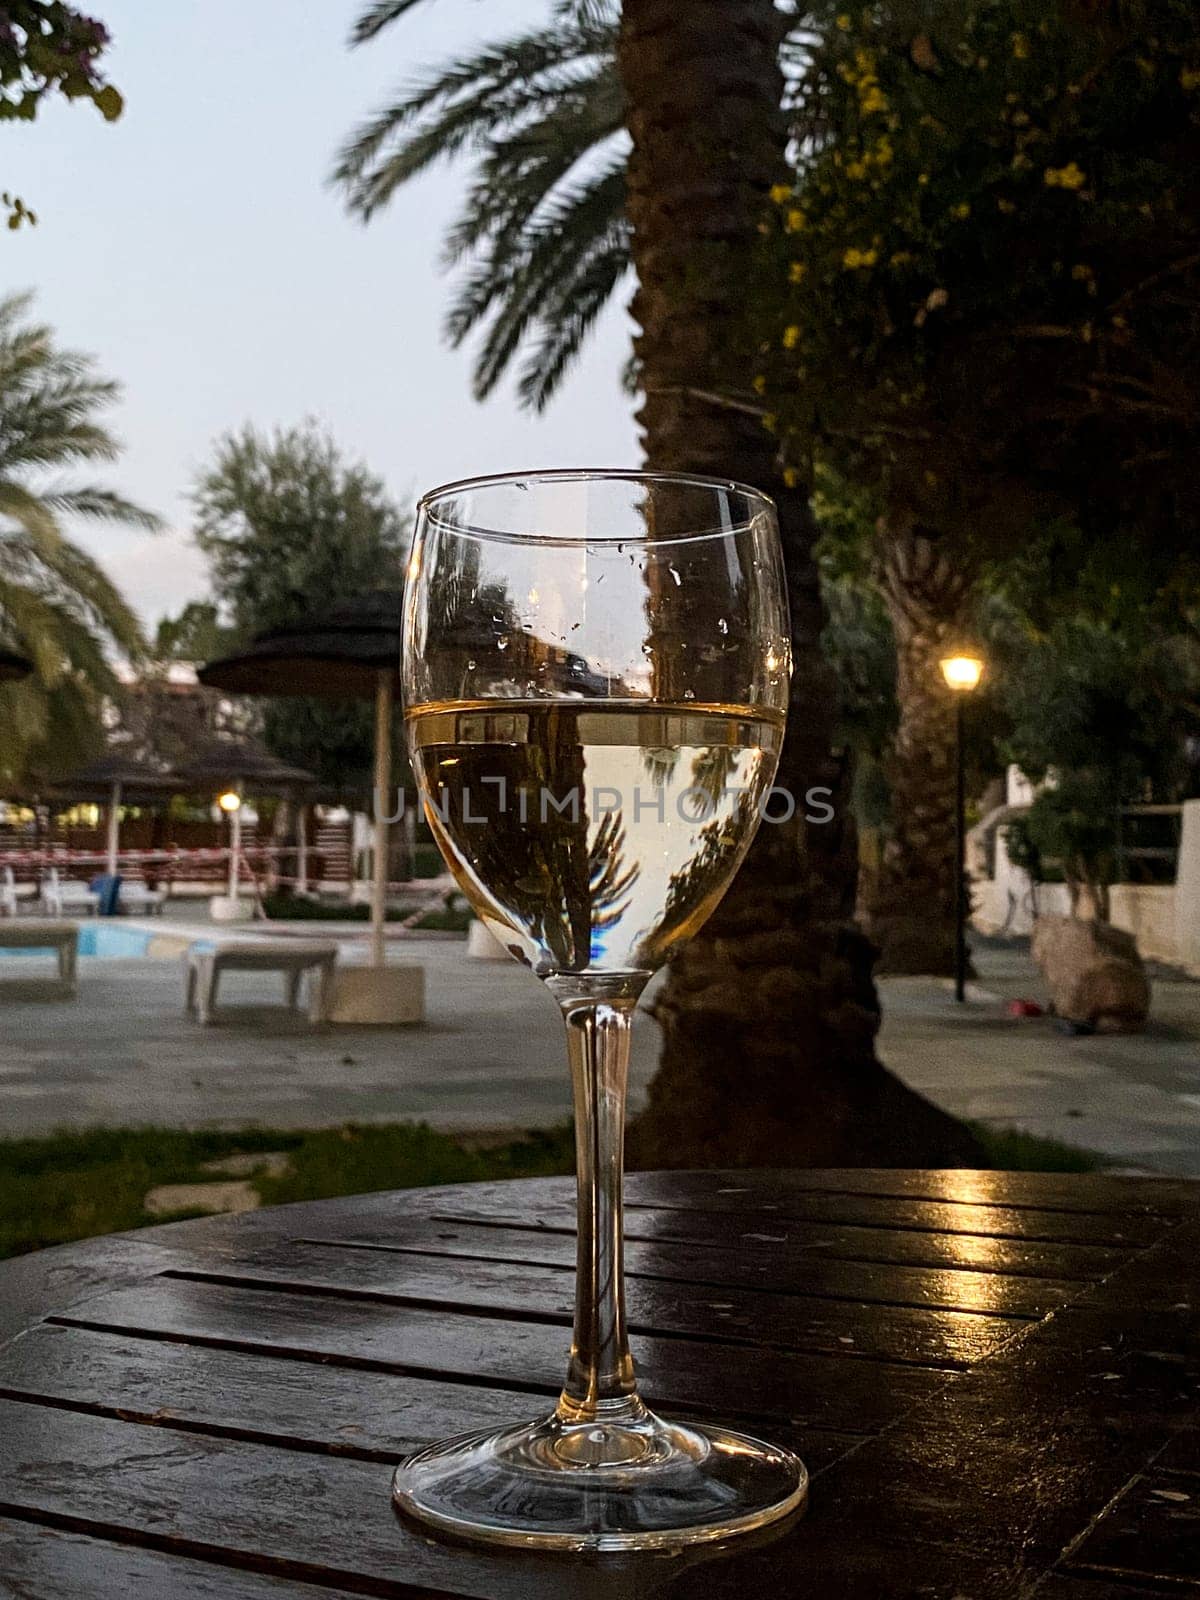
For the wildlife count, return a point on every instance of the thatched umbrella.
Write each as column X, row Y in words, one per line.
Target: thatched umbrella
column 14, row 666
column 115, row 778
column 348, row 651
column 237, row 765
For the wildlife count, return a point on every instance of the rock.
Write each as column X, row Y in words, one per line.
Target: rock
column 212, row 1197
column 1094, row 973
column 246, row 1163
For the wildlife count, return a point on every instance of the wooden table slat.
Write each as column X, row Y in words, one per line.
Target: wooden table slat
column 826, row 1391
column 369, row 1416
column 1151, row 1534
column 689, row 1246
column 1110, row 1229
column 48, row 1563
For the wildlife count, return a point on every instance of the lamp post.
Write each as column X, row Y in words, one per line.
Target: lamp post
column 962, row 671
column 231, row 804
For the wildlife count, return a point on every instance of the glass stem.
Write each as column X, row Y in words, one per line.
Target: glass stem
column 600, row 1379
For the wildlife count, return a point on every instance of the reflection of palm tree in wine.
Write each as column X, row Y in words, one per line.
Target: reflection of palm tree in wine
column 711, row 771
column 689, row 891
column 610, row 879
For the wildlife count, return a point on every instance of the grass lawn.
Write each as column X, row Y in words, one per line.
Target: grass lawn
column 76, row 1185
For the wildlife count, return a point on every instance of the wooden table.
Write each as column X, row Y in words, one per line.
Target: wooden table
column 992, row 1377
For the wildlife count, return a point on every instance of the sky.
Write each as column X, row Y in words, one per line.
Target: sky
column 195, row 249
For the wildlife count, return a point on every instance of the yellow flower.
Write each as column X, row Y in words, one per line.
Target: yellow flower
column 760, row 384
column 922, row 178
column 796, row 272
column 854, row 258
column 902, row 258
column 769, row 421
column 843, row 23
column 794, row 220
column 781, row 192
column 873, row 102
column 1189, row 79
column 1005, row 206
column 791, row 477
column 791, row 337
column 1072, row 176
column 1020, row 47
column 961, row 210
column 856, row 170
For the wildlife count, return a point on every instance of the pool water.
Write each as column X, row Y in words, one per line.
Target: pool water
column 99, row 939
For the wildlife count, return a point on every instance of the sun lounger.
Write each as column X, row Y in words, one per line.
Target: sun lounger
column 64, row 897
column 139, row 900
column 293, row 957
column 30, row 933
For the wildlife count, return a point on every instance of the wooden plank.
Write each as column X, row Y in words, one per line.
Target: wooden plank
column 320, row 1518
column 1093, row 1192
column 846, row 1395
column 779, row 1255
column 1061, row 1586
column 1151, row 1534
column 981, row 1489
column 69, row 1275
column 48, row 1563
column 933, row 1334
column 368, row 1415
column 1119, row 1231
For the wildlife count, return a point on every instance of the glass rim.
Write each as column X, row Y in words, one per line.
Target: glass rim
column 757, row 502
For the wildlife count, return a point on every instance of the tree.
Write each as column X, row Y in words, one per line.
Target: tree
column 810, row 1030
column 769, row 1015
column 196, row 634
column 56, row 605
column 289, row 526
column 543, row 221
column 991, row 313
column 45, row 48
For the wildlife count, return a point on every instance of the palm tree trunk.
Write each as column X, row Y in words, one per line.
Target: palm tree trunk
column 770, row 1014
column 911, row 915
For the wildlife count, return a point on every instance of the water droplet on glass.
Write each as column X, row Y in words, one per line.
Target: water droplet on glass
column 722, row 625
column 688, row 694
column 471, row 666
column 502, row 643
column 674, row 573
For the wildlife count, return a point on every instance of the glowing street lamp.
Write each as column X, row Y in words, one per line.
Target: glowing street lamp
column 962, row 672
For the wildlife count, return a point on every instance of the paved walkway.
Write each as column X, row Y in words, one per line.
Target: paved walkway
column 490, row 1057
column 1134, row 1097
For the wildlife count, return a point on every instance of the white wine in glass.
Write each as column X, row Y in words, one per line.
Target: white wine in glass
column 595, row 671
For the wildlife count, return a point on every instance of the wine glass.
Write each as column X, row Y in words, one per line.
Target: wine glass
column 595, row 681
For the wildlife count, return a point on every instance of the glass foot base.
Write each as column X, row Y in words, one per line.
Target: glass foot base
column 644, row 1484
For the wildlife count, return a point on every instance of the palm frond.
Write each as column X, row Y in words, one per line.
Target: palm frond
column 525, row 291
column 566, row 324
column 542, row 236
column 101, row 505
column 378, row 16
column 468, row 101
column 56, row 603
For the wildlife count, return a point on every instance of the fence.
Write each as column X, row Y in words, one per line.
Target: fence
column 1159, row 903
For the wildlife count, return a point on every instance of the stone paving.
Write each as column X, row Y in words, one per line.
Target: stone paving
column 1132, row 1097
column 490, row 1057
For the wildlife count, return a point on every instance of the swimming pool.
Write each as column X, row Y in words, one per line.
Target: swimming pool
column 99, row 939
